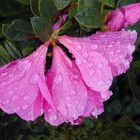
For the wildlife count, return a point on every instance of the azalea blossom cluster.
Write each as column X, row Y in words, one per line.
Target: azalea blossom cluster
column 72, row 88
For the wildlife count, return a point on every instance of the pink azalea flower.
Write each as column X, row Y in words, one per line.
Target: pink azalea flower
column 22, row 85
column 71, row 89
column 121, row 18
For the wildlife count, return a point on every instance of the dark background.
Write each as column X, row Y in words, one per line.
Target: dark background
column 121, row 119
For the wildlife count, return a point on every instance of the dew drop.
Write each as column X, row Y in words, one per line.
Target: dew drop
column 109, row 46
column 91, row 72
column 10, row 92
column 24, row 107
column 6, row 102
column 3, row 74
column 85, row 54
column 24, row 65
column 53, row 118
column 77, row 102
column 26, row 97
column 100, row 65
column 102, row 35
column 3, row 83
column 78, row 61
column 68, row 40
column 34, row 79
column 14, row 98
column 78, row 47
column 72, row 92
column 58, row 79
column 94, row 46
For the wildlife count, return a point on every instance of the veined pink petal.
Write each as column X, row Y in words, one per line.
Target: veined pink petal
column 93, row 65
column 131, row 13
column 67, row 89
column 20, row 87
column 100, row 53
column 120, row 18
column 59, row 22
column 115, row 20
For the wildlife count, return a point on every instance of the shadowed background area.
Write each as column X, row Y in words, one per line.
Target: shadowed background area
column 121, row 119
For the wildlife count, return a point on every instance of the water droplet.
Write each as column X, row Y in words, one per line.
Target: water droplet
column 68, row 98
column 94, row 46
column 75, row 82
column 3, row 74
column 6, row 102
column 3, row 83
column 85, row 54
column 34, row 79
column 102, row 35
column 24, row 65
column 90, row 64
column 109, row 46
column 58, row 79
column 24, row 107
column 53, row 118
column 78, row 61
column 91, row 73
column 26, row 97
column 68, row 40
column 77, row 102
column 10, row 92
column 118, row 51
column 78, row 47
column 100, row 65
column 72, row 92
column 14, row 98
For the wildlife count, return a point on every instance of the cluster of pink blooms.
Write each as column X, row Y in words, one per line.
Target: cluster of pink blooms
column 71, row 89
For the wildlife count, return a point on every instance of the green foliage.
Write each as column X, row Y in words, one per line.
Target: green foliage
column 41, row 28
column 26, row 24
column 18, row 30
column 61, row 4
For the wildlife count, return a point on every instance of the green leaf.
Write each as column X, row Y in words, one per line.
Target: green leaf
column 34, row 7
column 24, row 2
column 47, row 9
column 61, row 4
column 18, row 30
column 134, row 79
column 110, row 3
column 90, row 17
column 3, row 53
column 41, row 27
column 88, row 3
column 12, row 50
column 121, row 3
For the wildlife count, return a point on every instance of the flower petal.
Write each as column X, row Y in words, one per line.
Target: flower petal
column 92, row 64
column 115, row 48
column 120, row 18
column 115, row 20
column 68, row 91
column 19, row 82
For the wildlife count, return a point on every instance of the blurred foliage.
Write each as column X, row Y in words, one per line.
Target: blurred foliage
column 25, row 25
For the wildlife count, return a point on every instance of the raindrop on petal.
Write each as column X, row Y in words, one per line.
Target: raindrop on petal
column 58, row 79
column 34, row 79
column 24, row 107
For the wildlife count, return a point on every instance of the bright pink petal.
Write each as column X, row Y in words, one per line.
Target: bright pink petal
column 67, row 89
column 59, row 22
column 120, row 18
column 131, row 13
column 100, row 53
column 92, row 64
column 19, row 84
column 115, row 20
column 95, row 102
